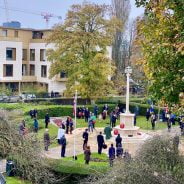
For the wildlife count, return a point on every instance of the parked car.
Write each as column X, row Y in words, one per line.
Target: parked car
column 25, row 96
column 14, row 99
column 4, row 98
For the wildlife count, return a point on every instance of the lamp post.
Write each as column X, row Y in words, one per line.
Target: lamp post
column 128, row 71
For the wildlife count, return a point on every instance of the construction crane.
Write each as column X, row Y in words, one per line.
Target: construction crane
column 6, row 9
column 46, row 15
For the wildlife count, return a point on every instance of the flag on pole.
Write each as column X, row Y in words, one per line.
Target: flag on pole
column 74, row 106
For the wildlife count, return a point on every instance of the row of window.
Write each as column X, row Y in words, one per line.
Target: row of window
column 11, row 54
column 35, row 34
column 8, row 70
column 4, row 33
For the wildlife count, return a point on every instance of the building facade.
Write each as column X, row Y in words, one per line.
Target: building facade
column 23, row 60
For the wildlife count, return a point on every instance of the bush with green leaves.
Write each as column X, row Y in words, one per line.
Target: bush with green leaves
column 157, row 162
column 25, row 151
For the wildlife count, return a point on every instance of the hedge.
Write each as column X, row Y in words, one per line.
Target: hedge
column 60, row 110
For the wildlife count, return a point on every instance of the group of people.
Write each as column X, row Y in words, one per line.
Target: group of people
column 112, row 152
column 165, row 116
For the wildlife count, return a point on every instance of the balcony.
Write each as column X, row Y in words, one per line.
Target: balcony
column 29, row 78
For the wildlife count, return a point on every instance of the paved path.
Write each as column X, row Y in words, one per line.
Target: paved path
column 55, row 152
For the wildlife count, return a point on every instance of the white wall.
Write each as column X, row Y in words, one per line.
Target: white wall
column 17, row 64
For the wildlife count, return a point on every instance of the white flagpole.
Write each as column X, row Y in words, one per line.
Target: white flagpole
column 74, row 136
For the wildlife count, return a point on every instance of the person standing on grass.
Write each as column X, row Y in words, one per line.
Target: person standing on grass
column 153, row 120
column 111, row 155
column 85, row 137
column 100, row 141
column 63, row 145
column 47, row 120
column 86, row 114
column 169, row 124
column 87, row 155
column 35, row 113
column 46, row 138
column 96, row 111
column 113, row 119
column 35, row 125
column 147, row 114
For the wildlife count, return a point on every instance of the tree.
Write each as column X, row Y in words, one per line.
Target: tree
column 81, row 49
column 157, row 161
column 25, row 151
column 161, row 38
column 121, row 10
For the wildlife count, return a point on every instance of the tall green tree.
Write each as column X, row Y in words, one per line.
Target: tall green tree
column 81, row 49
column 162, row 40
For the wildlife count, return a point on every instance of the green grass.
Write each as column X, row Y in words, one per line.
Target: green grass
column 68, row 165
column 143, row 124
column 15, row 180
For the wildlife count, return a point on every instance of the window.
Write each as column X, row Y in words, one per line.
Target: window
column 24, row 70
column 32, row 70
column 16, row 34
column 32, row 54
column 63, row 75
column 42, row 55
column 4, row 33
column 10, row 53
column 8, row 70
column 43, row 71
column 24, row 54
column 37, row 35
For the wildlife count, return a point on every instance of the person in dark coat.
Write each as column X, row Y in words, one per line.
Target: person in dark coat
column 96, row 111
column 147, row 114
column 169, row 124
column 111, row 155
column 87, row 155
column 46, row 139
column 85, row 137
column 135, row 119
column 118, row 140
column 35, row 113
column 153, row 120
column 119, row 151
column 86, row 114
column 31, row 114
column 113, row 119
column 47, row 120
column 35, row 125
column 67, row 124
column 63, row 145
column 71, row 125
column 100, row 141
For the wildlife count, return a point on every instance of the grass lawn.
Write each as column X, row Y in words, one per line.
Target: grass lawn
column 99, row 164
column 15, row 180
column 141, row 122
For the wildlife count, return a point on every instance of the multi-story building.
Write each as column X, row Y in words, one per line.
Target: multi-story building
column 23, row 60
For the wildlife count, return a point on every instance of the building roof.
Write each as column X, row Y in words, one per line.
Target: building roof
column 25, row 29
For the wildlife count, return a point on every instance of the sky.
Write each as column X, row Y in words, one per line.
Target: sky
column 56, row 7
